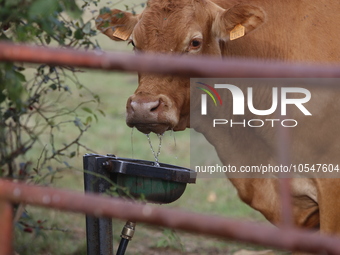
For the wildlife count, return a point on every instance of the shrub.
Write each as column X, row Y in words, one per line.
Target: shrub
column 38, row 103
column 33, row 99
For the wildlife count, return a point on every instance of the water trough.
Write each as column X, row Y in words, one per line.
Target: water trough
column 138, row 179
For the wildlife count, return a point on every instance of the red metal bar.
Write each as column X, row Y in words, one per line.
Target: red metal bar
column 6, row 228
column 101, row 206
column 286, row 203
column 284, row 178
column 172, row 65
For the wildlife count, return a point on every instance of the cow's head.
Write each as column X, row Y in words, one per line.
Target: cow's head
column 185, row 27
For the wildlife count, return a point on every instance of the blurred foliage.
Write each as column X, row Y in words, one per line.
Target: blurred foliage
column 44, row 22
column 35, row 105
column 31, row 98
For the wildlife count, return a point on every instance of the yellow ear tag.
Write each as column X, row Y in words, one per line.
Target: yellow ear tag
column 119, row 33
column 237, row 32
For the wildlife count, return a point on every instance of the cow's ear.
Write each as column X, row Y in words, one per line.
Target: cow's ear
column 118, row 25
column 238, row 21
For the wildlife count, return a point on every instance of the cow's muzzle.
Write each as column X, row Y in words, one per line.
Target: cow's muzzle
column 150, row 113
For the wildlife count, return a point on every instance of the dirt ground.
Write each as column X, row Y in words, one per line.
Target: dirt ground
column 189, row 244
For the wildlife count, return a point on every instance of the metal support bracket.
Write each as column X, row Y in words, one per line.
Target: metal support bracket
column 98, row 230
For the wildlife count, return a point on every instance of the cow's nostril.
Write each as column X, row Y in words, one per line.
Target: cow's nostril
column 156, row 106
column 140, row 105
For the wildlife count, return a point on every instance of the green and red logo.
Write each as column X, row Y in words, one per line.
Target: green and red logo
column 211, row 91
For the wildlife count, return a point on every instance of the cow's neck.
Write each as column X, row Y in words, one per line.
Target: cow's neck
column 264, row 199
column 239, row 146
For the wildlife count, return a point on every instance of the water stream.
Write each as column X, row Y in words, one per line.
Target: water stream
column 156, row 155
column 132, row 129
column 172, row 133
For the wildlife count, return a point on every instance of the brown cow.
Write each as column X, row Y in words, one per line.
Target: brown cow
column 301, row 30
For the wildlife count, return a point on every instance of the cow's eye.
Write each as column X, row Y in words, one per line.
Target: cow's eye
column 195, row 44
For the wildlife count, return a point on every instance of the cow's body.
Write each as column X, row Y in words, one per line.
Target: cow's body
column 287, row 30
column 293, row 30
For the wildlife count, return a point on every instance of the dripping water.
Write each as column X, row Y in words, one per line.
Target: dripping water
column 172, row 133
column 132, row 149
column 156, row 155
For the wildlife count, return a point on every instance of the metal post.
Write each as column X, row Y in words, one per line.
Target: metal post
column 6, row 228
column 98, row 230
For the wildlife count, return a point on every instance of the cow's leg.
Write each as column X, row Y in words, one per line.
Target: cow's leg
column 305, row 203
column 329, row 193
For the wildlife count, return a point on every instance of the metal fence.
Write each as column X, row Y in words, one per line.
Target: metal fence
column 286, row 237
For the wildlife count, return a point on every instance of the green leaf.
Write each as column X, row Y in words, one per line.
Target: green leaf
column 14, row 86
column 97, row 98
column 79, row 34
column 2, row 97
column 20, row 77
column 87, row 28
column 51, row 123
column 120, row 15
column 86, row 109
column 104, row 10
column 72, row 8
column 47, row 39
column 43, row 8
column 102, row 112
column 88, row 120
column 53, row 86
